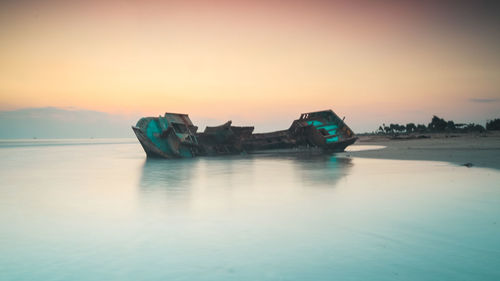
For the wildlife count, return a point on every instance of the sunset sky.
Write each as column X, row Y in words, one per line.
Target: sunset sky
column 371, row 61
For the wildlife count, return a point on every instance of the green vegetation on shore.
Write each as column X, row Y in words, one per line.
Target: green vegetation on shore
column 493, row 125
column 438, row 125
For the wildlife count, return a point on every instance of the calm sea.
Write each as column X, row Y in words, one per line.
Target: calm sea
column 98, row 210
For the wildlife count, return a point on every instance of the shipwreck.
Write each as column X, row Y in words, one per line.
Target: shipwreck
column 174, row 136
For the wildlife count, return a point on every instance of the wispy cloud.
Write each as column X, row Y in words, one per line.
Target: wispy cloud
column 57, row 122
column 484, row 100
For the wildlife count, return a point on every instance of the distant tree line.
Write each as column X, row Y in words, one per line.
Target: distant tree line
column 493, row 125
column 438, row 125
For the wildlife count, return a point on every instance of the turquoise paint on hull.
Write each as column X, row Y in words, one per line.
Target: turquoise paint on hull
column 334, row 139
column 155, row 127
column 153, row 133
column 328, row 127
column 163, row 123
column 186, row 153
column 314, row 123
column 331, row 129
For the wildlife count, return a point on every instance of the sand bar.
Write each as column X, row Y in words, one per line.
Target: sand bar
column 481, row 150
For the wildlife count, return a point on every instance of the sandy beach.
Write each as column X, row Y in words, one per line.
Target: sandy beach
column 481, row 150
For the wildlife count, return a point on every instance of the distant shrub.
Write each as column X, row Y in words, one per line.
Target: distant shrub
column 421, row 128
column 493, row 125
column 437, row 124
column 410, row 128
column 474, row 128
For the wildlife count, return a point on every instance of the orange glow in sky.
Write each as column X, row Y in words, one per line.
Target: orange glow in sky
column 248, row 59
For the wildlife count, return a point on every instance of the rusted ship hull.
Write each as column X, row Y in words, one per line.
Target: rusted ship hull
column 174, row 136
column 152, row 151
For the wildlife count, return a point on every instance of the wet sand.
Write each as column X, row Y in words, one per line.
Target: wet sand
column 481, row 150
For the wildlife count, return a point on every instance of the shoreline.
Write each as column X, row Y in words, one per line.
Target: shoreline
column 477, row 149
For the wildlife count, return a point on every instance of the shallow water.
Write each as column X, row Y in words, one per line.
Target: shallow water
column 98, row 210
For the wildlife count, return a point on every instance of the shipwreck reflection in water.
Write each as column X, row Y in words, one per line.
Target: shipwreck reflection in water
column 170, row 174
column 178, row 178
column 324, row 170
column 167, row 181
column 312, row 169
